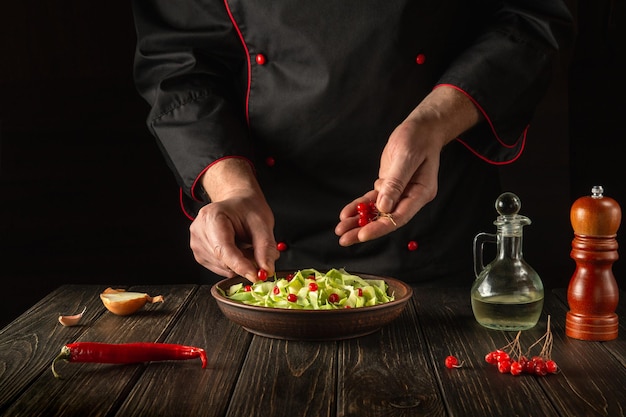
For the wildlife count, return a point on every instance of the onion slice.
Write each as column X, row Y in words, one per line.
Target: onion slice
column 71, row 320
column 124, row 303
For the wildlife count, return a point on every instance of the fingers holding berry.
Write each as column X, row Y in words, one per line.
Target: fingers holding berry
column 369, row 213
column 368, row 224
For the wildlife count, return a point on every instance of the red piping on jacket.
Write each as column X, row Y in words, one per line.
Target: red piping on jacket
column 181, row 202
column 249, row 66
column 245, row 47
column 493, row 130
column 193, row 186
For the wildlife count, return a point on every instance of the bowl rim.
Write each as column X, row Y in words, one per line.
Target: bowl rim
column 389, row 280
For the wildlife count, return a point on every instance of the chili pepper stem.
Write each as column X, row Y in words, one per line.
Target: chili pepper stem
column 63, row 355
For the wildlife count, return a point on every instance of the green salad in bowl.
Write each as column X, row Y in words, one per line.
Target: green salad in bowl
column 312, row 305
column 310, row 289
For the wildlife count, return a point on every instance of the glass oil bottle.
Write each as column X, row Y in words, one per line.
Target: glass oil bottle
column 507, row 294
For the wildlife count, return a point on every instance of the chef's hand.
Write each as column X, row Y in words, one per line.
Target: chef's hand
column 233, row 235
column 409, row 165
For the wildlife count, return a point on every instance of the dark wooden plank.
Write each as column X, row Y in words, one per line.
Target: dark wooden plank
column 193, row 391
column 591, row 379
column 476, row 389
column 98, row 389
column 387, row 373
column 286, row 378
column 30, row 342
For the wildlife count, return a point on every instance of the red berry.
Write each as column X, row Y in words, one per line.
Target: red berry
column 262, row 275
column 311, row 277
column 363, row 220
column 333, row 298
column 247, row 288
column 504, row 366
column 540, row 369
column 276, row 290
column 312, row 286
column 292, row 298
column 452, row 362
column 289, row 277
column 502, row 356
column 529, row 367
column 551, row 367
column 363, row 207
column 281, row 246
column 516, row 368
column 491, row 358
column 359, row 292
column 412, row 245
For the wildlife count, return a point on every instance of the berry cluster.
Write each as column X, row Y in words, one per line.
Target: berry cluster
column 369, row 213
column 511, row 359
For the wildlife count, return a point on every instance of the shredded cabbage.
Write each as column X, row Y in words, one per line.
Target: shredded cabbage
column 352, row 291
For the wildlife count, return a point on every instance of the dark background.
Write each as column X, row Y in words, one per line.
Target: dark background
column 87, row 198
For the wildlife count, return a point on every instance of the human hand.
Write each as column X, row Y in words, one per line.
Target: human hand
column 233, row 235
column 407, row 181
column 409, row 165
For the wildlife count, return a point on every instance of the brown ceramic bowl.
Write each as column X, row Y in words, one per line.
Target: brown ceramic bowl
column 318, row 325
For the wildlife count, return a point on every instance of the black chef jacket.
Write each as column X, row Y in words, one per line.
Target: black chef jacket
column 309, row 92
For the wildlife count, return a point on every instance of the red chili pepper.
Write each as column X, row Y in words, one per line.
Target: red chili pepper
column 96, row 352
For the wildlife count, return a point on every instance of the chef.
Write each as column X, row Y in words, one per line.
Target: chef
column 278, row 118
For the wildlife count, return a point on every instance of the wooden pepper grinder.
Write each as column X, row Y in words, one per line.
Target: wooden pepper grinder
column 593, row 293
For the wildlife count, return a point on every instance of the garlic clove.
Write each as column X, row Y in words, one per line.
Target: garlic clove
column 124, row 303
column 71, row 320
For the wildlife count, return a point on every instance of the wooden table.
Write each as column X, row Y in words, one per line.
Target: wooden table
column 398, row 371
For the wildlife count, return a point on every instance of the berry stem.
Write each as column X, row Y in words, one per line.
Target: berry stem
column 547, row 340
column 387, row 215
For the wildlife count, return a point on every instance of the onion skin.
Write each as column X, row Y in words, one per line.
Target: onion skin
column 123, row 303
